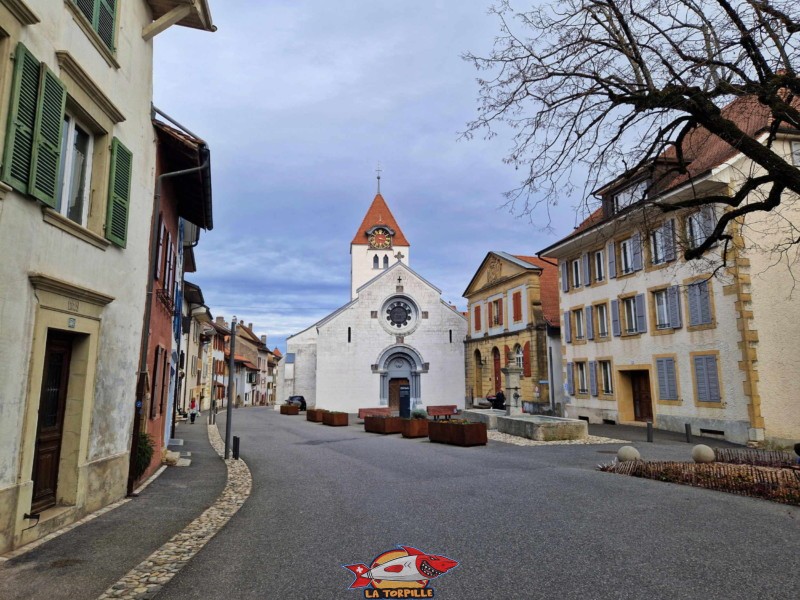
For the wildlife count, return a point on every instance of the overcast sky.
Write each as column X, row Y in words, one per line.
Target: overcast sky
column 299, row 101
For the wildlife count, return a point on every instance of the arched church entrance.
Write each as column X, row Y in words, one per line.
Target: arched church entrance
column 498, row 382
column 478, row 375
column 400, row 368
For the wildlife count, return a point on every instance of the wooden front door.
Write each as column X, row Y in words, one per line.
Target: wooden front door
column 51, row 421
column 642, row 402
column 394, row 393
column 498, row 382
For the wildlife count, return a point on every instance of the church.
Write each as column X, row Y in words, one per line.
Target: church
column 396, row 343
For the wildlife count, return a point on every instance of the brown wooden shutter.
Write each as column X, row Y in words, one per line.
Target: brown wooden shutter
column 477, row 318
column 500, row 311
column 491, row 315
column 526, row 360
column 517, row 298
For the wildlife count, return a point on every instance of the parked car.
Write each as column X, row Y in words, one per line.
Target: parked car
column 297, row 400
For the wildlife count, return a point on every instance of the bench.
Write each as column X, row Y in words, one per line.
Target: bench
column 445, row 410
column 378, row 411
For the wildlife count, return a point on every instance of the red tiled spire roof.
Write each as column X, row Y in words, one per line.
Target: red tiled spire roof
column 548, row 286
column 379, row 214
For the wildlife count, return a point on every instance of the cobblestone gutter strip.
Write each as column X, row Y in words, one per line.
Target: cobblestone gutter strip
column 147, row 579
column 496, row 436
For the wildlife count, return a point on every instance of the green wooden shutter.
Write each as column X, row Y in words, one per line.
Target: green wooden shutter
column 87, row 8
column 47, row 138
column 119, row 192
column 21, row 120
column 106, row 16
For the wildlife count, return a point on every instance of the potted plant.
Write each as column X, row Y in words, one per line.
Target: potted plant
column 290, row 409
column 457, row 432
column 315, row 414
column 335, row 418
column 416, row 426
column 382, row 424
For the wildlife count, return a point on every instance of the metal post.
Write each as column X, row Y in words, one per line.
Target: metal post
column 688, row 427
column 236, row 447
column 649, row 431
column 229, row 408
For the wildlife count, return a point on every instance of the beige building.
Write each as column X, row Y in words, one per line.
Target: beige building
column 512, row 308
column 711, row 343
column 76, row 203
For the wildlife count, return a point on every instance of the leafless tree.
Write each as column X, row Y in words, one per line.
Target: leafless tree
column 611, row 85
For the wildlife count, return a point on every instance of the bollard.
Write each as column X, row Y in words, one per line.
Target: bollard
column 649, row 431
column 236, row 447
column 688, row 427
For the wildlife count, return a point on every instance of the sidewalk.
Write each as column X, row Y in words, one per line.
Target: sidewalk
column 84, row 562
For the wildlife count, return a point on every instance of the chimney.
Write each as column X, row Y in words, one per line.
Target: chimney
column 250, row 326
column 221, row 322
column 264, row 340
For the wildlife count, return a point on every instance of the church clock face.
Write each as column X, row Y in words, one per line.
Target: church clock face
column 380, row 239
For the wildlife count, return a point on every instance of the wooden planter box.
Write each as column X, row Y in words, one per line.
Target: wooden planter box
column 290, row 409
column 414, row 428
column 336, row 419
column 457, row 434
column 383, row 424
column 314, row 414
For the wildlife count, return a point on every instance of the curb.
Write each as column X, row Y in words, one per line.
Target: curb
column 149, row 576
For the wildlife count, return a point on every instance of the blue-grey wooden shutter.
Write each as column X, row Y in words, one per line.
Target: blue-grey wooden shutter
column 674, row 306
column 615, row 318
column 712, row 379
column 661, row 370
column 704, row 302
column 693, row 297
column 701, row 378
column 570, row 379
column 708, row 220
column 636, row 241
column 587, row 270
column 589, row 323
column 565, row 276
column 668, row 235
column 47, row 138
column 641, row 314
column 119, row 192
column 567, row 328
column 612, row 260
column 593, row 377
column 672, row 382
column 21, row 120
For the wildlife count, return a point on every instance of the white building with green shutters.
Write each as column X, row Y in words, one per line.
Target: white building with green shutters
column 76, row 201
column 649, row 336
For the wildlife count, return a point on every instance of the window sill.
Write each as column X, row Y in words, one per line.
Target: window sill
column 663, row 331
column 95, row 39
column 670, row 402
column 719, row 404
column 627, row 336
column 656, row 266
column 702, row 327
column 4, row 189
column 607, row 397
column 64, row 224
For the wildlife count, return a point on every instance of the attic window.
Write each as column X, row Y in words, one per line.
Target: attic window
column 630, row 195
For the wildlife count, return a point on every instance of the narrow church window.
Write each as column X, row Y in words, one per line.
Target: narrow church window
column 349, row 335
column 385, row 262
column 375, row 262
column 451, row 336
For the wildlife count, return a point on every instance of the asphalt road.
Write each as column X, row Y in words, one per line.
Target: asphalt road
column 523, row 522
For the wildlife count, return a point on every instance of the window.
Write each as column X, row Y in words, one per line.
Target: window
column 626, row 255
column 349, row 335
column 599, row 266
column 633, row 313
column 518, row 356
column 605, row 377
column 706, row 378
column 657, row 246
column 576, row 273
column 375, row 263
column 74, row 171
column 496, row 312
column 385, row 262
column 630, row 195
column 662, row 310
column 580, row 367
column 667, row 383
column 517, row 306
column 699, row 304
column 101, row 15
column 577, row 315
column 602, row 320
column 695, row 229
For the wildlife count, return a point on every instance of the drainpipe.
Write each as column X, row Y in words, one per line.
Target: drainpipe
column 140, row 391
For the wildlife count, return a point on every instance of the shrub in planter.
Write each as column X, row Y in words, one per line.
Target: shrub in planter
column 290, row 409
column 335, row 419
column 457, row 432
column 383, row 424
column 314, row 414
column 144, row 454
column 416, row 426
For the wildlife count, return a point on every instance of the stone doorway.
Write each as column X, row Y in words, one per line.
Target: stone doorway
column 400, row 396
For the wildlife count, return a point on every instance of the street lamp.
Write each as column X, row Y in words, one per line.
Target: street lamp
column 229, row 408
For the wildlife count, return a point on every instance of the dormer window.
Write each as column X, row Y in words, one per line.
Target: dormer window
column 630, row 195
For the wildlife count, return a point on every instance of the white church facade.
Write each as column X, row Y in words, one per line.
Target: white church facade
column 396, row 343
